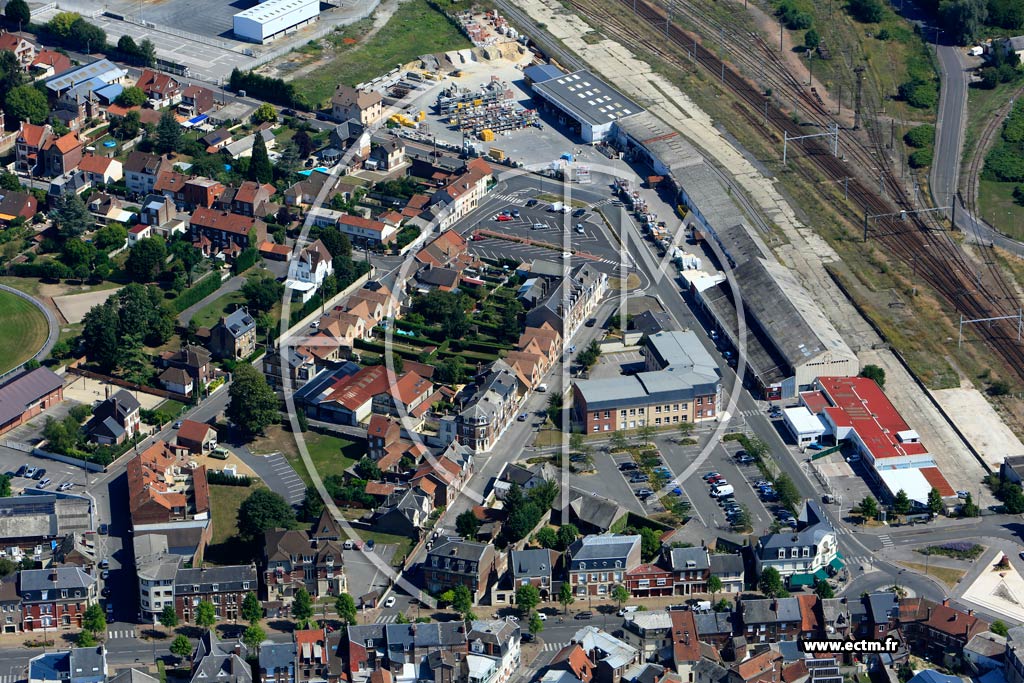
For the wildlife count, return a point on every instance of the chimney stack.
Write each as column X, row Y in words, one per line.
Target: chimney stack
column 970, row 613
column 945, row 602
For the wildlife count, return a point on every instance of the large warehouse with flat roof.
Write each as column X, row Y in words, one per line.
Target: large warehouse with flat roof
column 590, row 104
column 272, row 18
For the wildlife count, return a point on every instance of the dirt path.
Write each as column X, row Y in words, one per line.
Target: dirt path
column 796, row 64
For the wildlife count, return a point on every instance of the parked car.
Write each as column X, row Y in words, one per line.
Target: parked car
column 537, row 226
column 527, row 637
column 21, row 471
column 542, row 388
column 584, row 615
column 105, row 574
column 104, row 563
column 177, row 425
column 43, row 483
column 369, row 545
column 576, row 457
column 710, row 475
column 104, row 529
column 515, row 213
column 591, row 322
column 579, row 212
column 65, row 486
column 644, row 492
column 522, row 417
column 39, row 474
column 627, row 466
column 390, row 602
column 502, row 218
column 531, row 202
column 745, row 459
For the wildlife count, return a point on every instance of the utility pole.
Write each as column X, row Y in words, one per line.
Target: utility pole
column 859, row 71
column 780, row 34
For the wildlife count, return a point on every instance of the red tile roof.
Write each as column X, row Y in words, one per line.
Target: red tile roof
column 170, row 181
column 934, row 477
column 685, row 644
column 32, row 134
column 193, row 431
column 360, row 222
column 60, row 63
column 223, row 221
column 156, row 82
column 91, row 163
column 274, row 248
column 65, row 143
column 808, row 612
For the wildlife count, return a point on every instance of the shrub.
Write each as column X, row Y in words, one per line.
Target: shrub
column 921, row 158
column 866, row 11
column 920, row 136
column 197, row 292
column 227, row 479
column 920, row 94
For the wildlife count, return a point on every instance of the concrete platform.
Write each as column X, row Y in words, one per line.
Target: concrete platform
column 980, row 423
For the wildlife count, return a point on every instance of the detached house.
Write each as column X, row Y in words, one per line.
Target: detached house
column 187, row 370
column 404, row 513
column 162, row 89
column 533, row 566
column 24, row 51
column 115, row 419
column 307, row 271
column 101, row 170
column 234, row 335
column 365, row 106
column 15, row 205
column 220, row 232
column 61, row 155
column 195, row 100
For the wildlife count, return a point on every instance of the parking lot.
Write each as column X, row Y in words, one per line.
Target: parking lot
column 362, row 571
column 15, row 451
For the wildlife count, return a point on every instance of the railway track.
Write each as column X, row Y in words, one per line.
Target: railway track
column 919, row 241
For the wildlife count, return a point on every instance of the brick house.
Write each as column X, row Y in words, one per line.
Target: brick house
column 141, row 171
column 596, row 564
column 28, row 395
column 219, row 231
column 691, row 568
column 292, row 560
column 770, row 620
column 456, row 562
column 649, row 580
column 224, row 587
column 55, row 598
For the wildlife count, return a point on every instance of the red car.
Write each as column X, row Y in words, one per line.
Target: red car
column 715, row 479
column 502, row 218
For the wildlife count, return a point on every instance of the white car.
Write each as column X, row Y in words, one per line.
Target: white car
column 542, row 616
column 390, row 602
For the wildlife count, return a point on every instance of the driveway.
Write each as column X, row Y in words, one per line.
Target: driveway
column 276, row 472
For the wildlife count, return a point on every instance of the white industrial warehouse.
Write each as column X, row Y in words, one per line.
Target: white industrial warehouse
column 272, row 18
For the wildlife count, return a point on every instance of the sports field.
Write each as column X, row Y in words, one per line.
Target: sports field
column 22, row 330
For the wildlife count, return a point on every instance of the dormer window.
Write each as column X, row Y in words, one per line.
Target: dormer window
column 782, row 554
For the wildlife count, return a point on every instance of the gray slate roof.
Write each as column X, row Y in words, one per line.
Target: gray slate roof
column 679, row 558
column 239, row 322
column 228, row 579
column 601, row 550
column 531, row 563
column 277, row 656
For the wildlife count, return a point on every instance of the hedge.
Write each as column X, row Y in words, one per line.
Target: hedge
column 245, row 260
column 197, row 292
column 224, row 479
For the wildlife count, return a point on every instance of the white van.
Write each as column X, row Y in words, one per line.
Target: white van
column 702, row 606
column 628, row 609
column 719, row 491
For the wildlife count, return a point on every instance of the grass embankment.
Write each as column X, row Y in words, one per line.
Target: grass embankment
column 415, row 29
column 23, row 330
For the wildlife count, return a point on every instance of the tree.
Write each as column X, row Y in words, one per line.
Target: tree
column 26, row 103
column 146, row 259
column 450, row 371
column 620, row 594
column 447, row 597
column 866, row 11
column 618, row 441
column 132, row 96
column 536, row 624
column 902, row 505
column 264, row 113
column 770, row 583
column 999, row 628
column 685, row 429
column 312, row 504
column 260, row 168
column 86, row 639
column 743, row 519
column 869, row 508
column 645, row 433
column 71, row 216
column 811, row 39
column 934, row 501
column 555, row 407
column 147, row 52
column 262, row 511
column 253, row 637
column 963, row 18
column 126, row 44
column 87, row 37
column 527, row 598
column 5, row 487
column 367, row 469
column 110, row 236
column 181, row 647
column 206, row 614
column 650, row 543
column 546, row 537
column 168, row 133
column 345, row 606
column 567, row 535
column 252, row 609
column 18, row 14
column 445, row 309
column 302, row 606
column 824, row 590
column 874, row 372
column 565, row 596
column 99, row 335
column 789, row 495
column 253, row 405
column 462, row 601
column 127, row 126
column 168, row 617
column 9, row 181
column 969, row 509
column 93, row 619
column 467, row 525
column 714, row 585
column 306, row 146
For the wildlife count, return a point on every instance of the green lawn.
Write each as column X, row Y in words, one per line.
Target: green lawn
column 23, row 330
column 403, row 542
column 225, row 546
column 208, row 315
column 415, row 29
column 330, row 454
column 995, row 202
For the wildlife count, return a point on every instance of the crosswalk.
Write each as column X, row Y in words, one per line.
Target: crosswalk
column 510, row 198
column 386, row 619
column 886, row 541
column 553, row 647
column 122, row 634
column 9, row 679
